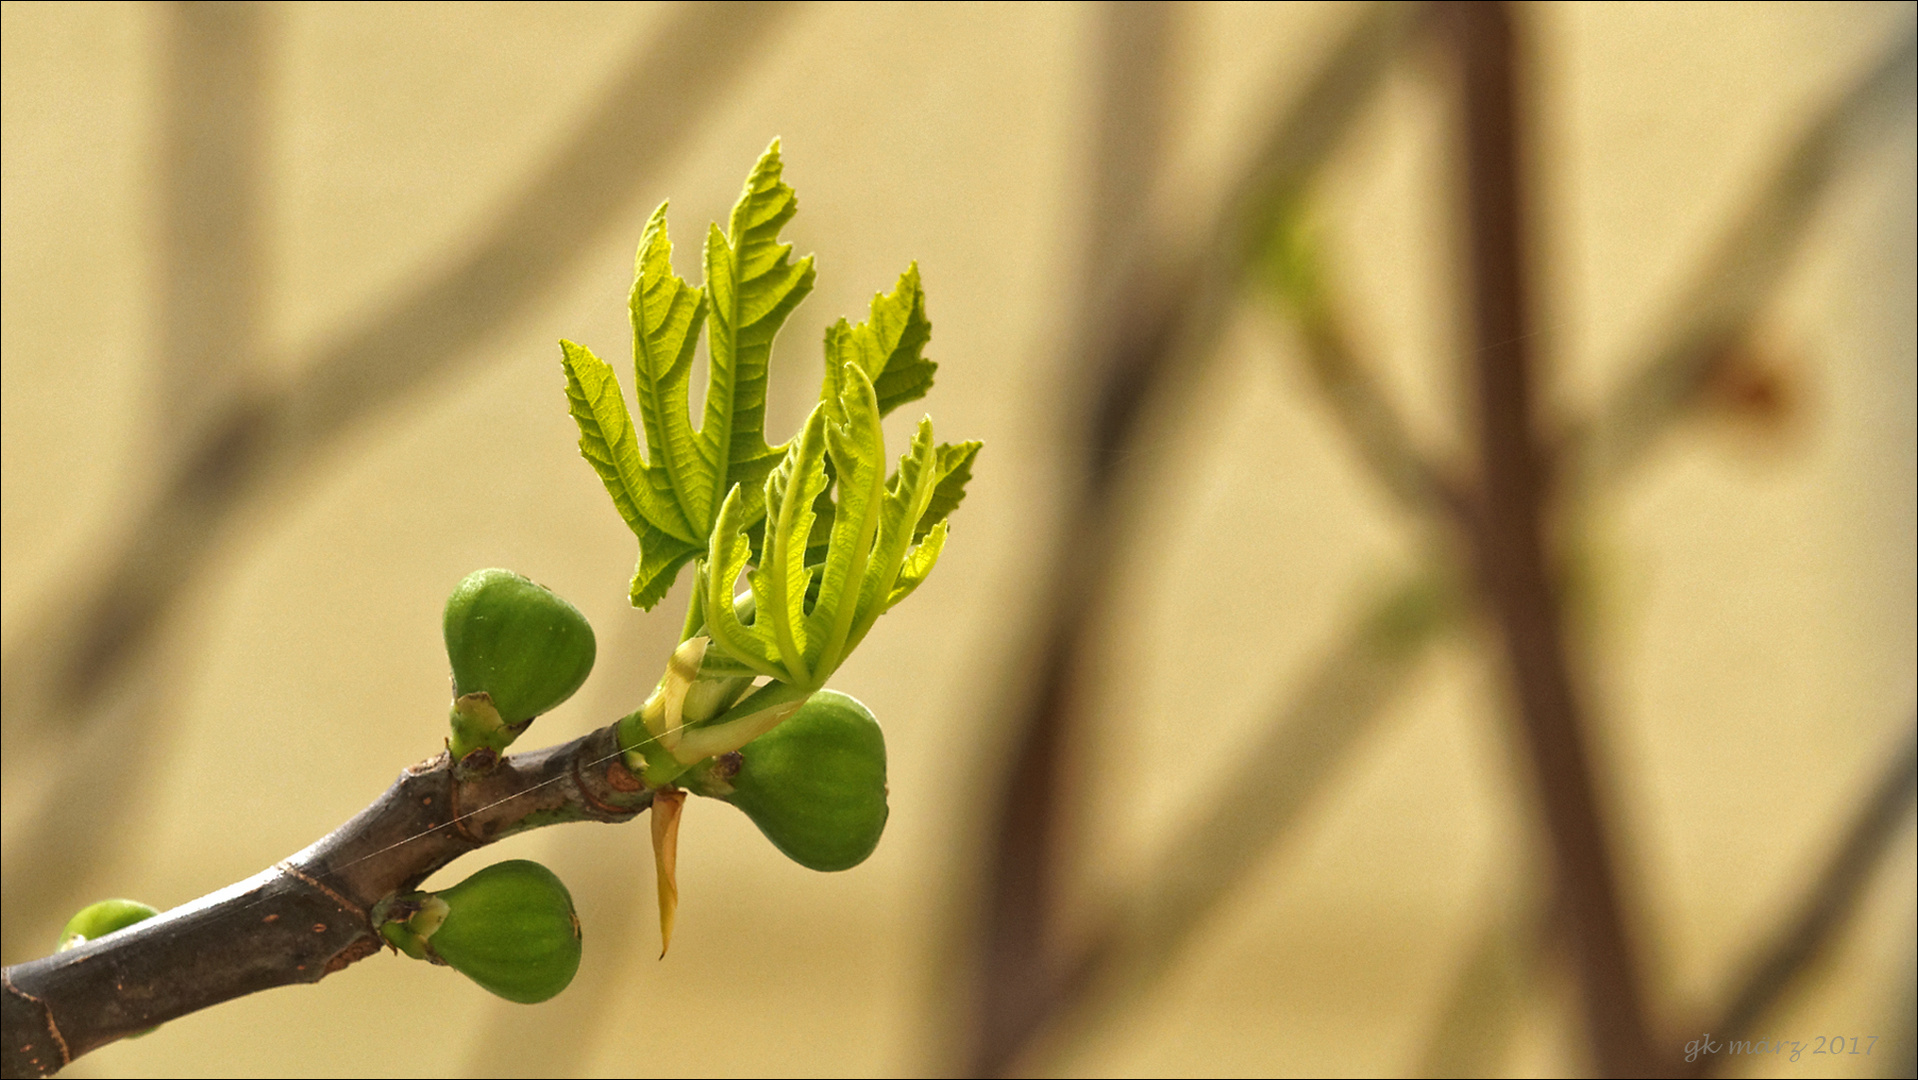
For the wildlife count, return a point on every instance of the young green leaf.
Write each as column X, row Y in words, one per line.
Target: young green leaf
column 918, row 564
column 869, row 561
column 670, row 501
column 660, row 558
column 955, row 468
column 905, row 502
column 642, row 492
column 886, row 347
column 752, row 287
column 782, row 578
column 857, row 447
column 666, row 315
column 726, row 559
column 830, row 539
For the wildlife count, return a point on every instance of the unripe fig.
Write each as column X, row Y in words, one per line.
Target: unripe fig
column 816, row 784
column 517, row 651
column 510, row 928
column 99, row 920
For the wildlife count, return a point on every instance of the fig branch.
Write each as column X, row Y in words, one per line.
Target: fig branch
column 307, row 916
column 828, row 539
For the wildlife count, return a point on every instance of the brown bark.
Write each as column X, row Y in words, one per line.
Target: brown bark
column 307, row 916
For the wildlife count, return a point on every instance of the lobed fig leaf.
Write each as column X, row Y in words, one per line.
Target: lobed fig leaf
column 670, row 495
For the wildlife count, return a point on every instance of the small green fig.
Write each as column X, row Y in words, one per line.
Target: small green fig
column 816, row 784
column 510, row 928
column 517, row 650
column 99, row 920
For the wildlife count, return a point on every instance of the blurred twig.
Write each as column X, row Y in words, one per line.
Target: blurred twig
column 1723, row 298
column 1158, row 308
column 1742, row 272
column 211, row 260
column 212, row 182
column 1726, row 297
column 1017, row 983
column 1508, row 534
column 1715, row 311
column 1373, row 423
column 1472, row 1035
column 1809, row 932
column 1275, row 779
column 1273, row 783
column 67, row 665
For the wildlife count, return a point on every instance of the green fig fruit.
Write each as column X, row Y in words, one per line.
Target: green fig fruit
column 510, row 928
column 816, row 784
column 99, row 920
column 517, row 651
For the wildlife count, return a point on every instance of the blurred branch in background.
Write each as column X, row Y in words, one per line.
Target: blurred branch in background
column 1531, row 476
column 1276, row 780
column 1472, row 1033
column 1807, row 935
column 1715, row 312
column 1510, row 539
column 1296, row 272
column 59, row 710
column 1309, row 738
column 213, row 250
column 1017, row 980
column 1137, row 318
column 77, row 676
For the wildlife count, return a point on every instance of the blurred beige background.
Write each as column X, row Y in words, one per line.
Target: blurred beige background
column 1751, row 642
